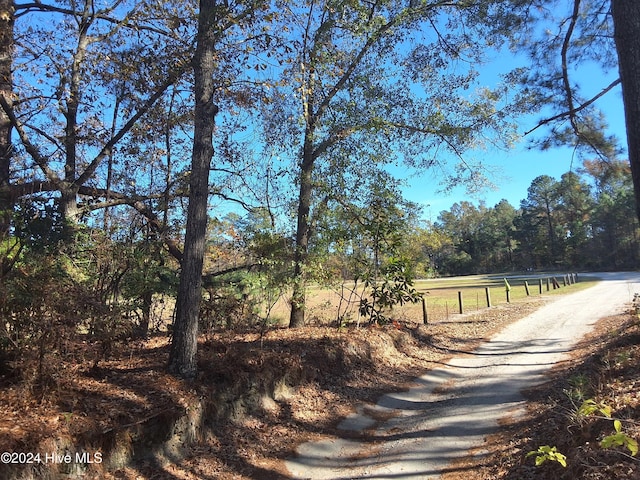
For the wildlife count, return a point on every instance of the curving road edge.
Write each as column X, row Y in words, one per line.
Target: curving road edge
column 453, row 408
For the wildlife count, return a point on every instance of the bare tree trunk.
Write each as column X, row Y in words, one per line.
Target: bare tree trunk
column 6, row 90
column 626, row 21
column 298, row 298
column 147, row 304
column 184, row 346
column 69, row 190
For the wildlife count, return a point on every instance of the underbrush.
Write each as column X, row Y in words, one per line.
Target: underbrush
column 256, row 391
column 260, row 393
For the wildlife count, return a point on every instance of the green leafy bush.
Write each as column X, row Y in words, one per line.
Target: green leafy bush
column 547, row 453
column 620, row 439
column 396, row 288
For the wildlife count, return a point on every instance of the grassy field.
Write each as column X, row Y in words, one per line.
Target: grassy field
column 441, row 296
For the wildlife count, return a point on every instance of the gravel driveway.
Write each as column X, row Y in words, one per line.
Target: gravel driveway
column 416, row 434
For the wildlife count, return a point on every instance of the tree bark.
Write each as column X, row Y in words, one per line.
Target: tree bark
column 184, row 345
column 6, row 91
column 312, row 149
column 626, row 22
column 147, row 303
column 69, row 188
column 298, row 297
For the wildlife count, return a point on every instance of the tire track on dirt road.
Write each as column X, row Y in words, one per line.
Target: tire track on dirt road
column 452, row 409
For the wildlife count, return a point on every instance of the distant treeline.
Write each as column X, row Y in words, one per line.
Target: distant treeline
column 584, row 220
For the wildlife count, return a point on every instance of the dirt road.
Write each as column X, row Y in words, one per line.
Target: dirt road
column 416, row 434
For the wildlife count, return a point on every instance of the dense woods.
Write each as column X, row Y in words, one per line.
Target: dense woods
column 584, row 220
column 221, row 155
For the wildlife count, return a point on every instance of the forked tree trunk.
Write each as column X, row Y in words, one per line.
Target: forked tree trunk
column 626, row 22
column 184, row 346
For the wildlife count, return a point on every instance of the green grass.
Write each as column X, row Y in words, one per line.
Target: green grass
column 441, row 296
column 445, row 291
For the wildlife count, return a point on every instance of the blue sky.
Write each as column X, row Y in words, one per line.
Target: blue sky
column 515, row 169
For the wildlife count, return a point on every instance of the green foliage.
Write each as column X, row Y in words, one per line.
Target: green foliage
column 243, row 298
column 584, row 220
column 590, row 406
column 260, row 260
column 620, row 439
column 396, row 288
column 58, row 295
column 546, row 453
column 145, row 269
column 482, row 238
column 581, row 40
column 37, row 225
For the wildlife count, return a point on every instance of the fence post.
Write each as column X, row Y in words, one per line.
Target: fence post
column 548, row 283
column 507, row 288
column 526, row 288
column 488, row 294
column 460, row 302
column 425, row 316
column 540, row 285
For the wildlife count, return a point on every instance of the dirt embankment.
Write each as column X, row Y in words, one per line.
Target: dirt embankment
column 255, row 399
column 258, row 396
